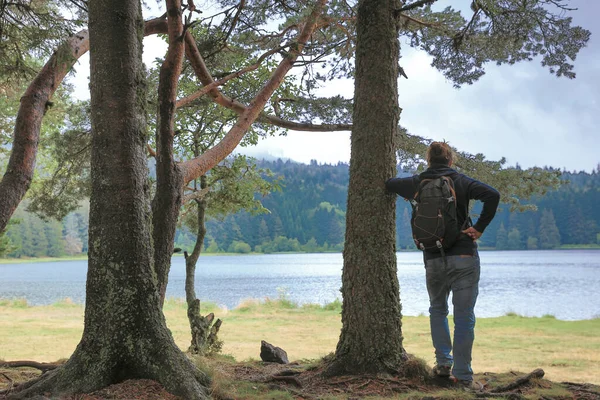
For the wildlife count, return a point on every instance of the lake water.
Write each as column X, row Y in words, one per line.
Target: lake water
column 563, row 283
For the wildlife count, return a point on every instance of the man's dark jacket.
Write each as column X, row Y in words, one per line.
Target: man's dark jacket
column 466, row 189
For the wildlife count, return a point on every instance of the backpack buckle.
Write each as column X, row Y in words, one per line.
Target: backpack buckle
column 438, row 244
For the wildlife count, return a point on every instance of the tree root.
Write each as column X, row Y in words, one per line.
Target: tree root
column 508, row 396
column 295, row 392
column 31, row 364
column 581, row 387
column 32, row 387
column 537, row 373
column 178, row 375
column 287, row 379
column 10, row 384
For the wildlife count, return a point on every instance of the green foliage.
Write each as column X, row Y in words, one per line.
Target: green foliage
column 31, row 30
column 212, row 247
column 6, row 245
column 281, row 244
column 14, row 303
column 532, row 243
column 549, row 234
column 64, row 178
column 499, row 31
column 335, row 305
column 238, row 184
column 501, row 238
column 311, row 188
column 9, row 105
column 239, row 247
column 31, row 236
column 513, row 241
column 283, row 300
column 314, row 196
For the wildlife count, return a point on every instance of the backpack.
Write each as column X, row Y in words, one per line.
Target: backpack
column 434, row 223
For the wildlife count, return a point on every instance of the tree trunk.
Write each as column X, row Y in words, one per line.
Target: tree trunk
column 203, row 337
column 169, row 179
column 125, row 334
column 371, row 337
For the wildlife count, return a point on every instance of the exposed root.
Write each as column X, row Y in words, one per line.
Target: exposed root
column 297, row 393
column 583, row 387
column 31, row 364
column 287, row 379
column 176, row 373
column 35, row 386
column 538, row 373
column 10, row 384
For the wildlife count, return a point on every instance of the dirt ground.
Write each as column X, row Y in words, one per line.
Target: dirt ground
column 258, row 380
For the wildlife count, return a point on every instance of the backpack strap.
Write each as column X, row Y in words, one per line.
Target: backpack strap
column 450, row 183
column 468, row 217
column 422, row 183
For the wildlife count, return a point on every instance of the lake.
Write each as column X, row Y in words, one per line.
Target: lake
column 563, row 283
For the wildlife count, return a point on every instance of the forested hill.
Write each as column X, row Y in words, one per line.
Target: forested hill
column 311, row 207
column 308, row 214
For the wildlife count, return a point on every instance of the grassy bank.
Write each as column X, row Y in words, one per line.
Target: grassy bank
column 27, row 260
column 566, row 350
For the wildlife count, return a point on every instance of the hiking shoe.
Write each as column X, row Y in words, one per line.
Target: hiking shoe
column 442, row 371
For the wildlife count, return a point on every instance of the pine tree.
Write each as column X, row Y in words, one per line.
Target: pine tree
column 263, row 232
column 54, row 238
column 501, row 238
column 549, row 235
column 5, row 244
column 513, row 241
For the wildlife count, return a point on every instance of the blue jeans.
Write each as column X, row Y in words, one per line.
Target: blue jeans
column 459, row 275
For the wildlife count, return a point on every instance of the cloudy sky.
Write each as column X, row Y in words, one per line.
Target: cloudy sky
column 520, row 112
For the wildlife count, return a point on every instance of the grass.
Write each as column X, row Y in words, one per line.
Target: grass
column 28, row 260
column 566, row 350
column 591, row 246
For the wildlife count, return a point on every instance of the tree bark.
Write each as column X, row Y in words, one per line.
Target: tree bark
column 169, row 179
column 371, row 336
column 125, row 335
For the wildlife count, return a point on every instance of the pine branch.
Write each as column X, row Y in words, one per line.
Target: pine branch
column 416, row 4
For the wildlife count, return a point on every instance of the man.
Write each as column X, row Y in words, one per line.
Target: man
column 456, row 269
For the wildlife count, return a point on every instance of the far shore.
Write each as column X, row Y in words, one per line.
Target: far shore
column 25, row 260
